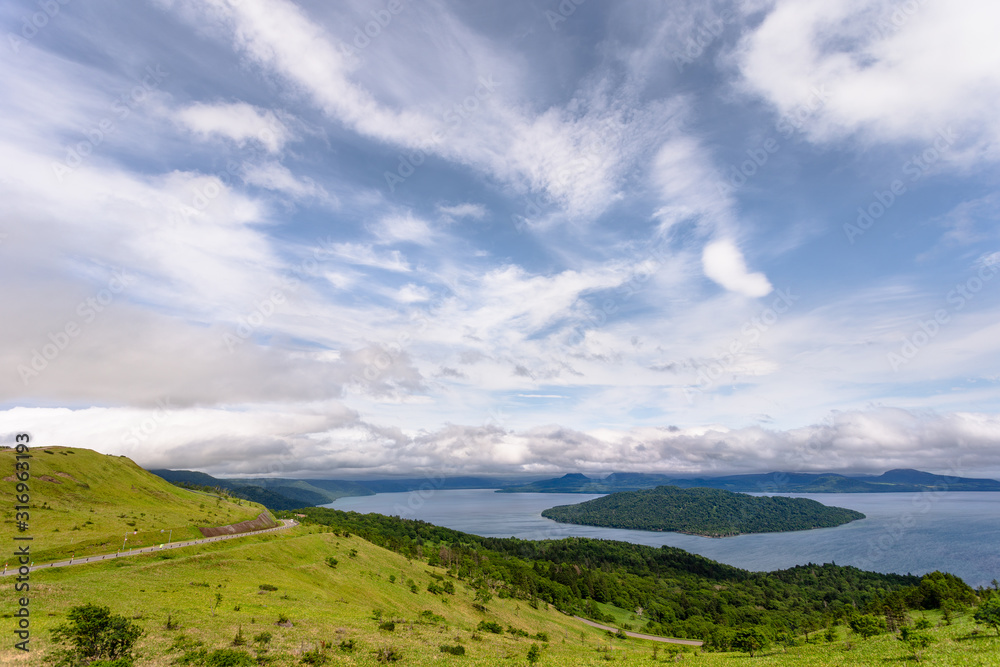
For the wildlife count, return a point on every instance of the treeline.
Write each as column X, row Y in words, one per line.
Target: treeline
column 269, row 499
column 672, row 592
column 708, row 512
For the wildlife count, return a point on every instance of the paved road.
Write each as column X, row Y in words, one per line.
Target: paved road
column 639, row 635
column 286, row 523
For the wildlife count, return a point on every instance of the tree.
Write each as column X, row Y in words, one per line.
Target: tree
column 916, row 638
column 867, row 625
column 94, row 633
column 750, row 640
column 988, row 612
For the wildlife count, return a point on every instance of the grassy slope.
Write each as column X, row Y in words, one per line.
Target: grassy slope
column 332, row 605
column 91, row 491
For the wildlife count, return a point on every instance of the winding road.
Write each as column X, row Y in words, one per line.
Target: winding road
column 639, row 635
column 286, row 524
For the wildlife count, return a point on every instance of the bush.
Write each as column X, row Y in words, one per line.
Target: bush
column 388, row 654
column 988, row 612
column 94, row 633
column 263, row 638
column 314, row 657
column 534, row 654
column 458, row 649
column 750, row 640
column 490, row 626
column 331, row 561
column 267, row 587
column 449, row 588
column 388, row 626
column 867, row 625
column 347, row 646
column 517, row 632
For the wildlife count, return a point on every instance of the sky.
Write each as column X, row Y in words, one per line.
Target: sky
column 398, row 237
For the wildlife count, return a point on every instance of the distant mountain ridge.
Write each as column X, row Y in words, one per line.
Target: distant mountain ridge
column 893, row 481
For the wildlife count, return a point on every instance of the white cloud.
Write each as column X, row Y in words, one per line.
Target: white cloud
column 328, row 440
column 888, row 71
column 404, row 229
column 277, row 177
column 365, row 255
column 723, row 262
column 466, row 210
column 239, row 122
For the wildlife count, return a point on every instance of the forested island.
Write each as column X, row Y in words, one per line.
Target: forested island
column 706, row 512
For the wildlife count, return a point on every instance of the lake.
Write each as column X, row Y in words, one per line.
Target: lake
column 903, row 532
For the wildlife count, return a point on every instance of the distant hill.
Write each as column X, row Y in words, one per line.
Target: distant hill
column 893, row 481
column 700, row 511
column 273, row 493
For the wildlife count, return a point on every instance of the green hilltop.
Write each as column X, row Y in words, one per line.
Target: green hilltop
column 85, row 503
column 706, row 512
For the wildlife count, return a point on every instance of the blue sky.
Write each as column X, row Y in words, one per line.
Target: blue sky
column 381, row 237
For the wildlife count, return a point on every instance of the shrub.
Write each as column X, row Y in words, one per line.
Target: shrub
column 267, row 587
column 347, row 646
column 314, row 657
column 434, row 589
column 750, row 640
column 388, row 654
column 263, row 638
column 517, row 632
column 867, row 625
column 490, row 626
column 331, row 561
column 94, row 633
column 542, row 636
column 534, row 654
column 449, row 588
column 458, row 649
column 388, row 626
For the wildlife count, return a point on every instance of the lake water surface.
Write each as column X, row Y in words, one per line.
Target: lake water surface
column 903, row 532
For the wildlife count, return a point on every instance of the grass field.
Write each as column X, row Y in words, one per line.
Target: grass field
column 370, row 586
column 85, row 503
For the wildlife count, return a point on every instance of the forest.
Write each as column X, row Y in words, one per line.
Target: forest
column 699, row 511
column 671, row 592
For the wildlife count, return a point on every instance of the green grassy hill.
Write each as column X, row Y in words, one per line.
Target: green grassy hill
column 708, row 512
column 84, row 502
column 265, row 578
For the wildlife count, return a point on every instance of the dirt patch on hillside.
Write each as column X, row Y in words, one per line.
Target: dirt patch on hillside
column 46, row 478
column 260, row 523
column 68, row 476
